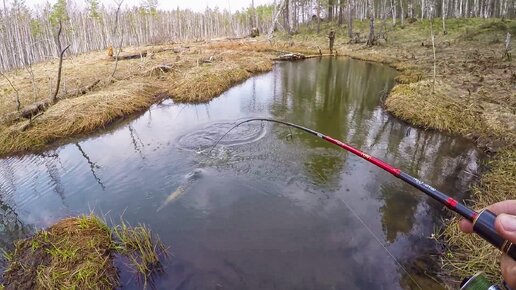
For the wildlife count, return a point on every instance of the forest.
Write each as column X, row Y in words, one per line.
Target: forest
column 29, row 36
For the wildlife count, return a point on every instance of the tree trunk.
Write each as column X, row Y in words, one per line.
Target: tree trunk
column 350, row 19
column 402, row 14
column 433, row 46
column 444, row 16
column 318, row 16
column 423, row 9
column 393, row 12
column 370, row 39
column 341, row 13
column 61, row 53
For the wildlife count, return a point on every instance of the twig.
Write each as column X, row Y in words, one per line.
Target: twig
column 18, row 104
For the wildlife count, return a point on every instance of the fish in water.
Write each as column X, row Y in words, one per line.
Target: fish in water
column 190, row 178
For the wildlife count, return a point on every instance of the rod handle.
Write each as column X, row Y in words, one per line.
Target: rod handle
column 484, row 226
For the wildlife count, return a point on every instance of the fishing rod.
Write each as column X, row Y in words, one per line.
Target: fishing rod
column 483, row 221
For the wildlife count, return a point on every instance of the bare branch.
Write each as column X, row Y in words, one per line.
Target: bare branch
column 18, row 104
column 60, row 68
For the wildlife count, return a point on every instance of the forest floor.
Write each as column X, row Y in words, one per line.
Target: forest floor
column 474, row 95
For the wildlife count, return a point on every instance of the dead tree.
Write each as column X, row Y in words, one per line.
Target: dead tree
column 431, row 14
column 370, row 39
column 507, row 53
column 119, row 49
column 443, row 12
column 275, row 20
column 61, row 53
column 318, row 16
column 350, row 19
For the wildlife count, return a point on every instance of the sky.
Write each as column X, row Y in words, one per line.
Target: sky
column 196, row 5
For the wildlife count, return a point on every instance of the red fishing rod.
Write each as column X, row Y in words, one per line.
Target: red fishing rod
column 483, row 221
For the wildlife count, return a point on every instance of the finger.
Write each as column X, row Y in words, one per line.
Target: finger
column 505, row 225
column 508, row 270
column 507, row 206
column 466, row 226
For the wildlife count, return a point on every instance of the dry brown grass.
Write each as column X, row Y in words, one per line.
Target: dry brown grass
column 203, row 83
column 433, row 107
column 468, row 254
column 199, row 72
column 77, row 116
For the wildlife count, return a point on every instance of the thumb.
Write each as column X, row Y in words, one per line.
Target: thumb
column 505, row 225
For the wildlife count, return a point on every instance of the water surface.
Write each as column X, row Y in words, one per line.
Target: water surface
column 268, row 208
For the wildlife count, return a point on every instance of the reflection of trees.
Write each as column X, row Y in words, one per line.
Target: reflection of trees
column 332, row 95
column 398, row 210
column 11, row 227
column 435, row 159
column 340, row 97
column 137, row 142
column 51, row 163
column 93, row 166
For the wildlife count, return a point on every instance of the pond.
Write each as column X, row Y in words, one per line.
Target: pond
column 269, row 207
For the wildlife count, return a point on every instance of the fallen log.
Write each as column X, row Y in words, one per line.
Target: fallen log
column 290, row 57
column 298, row 56
column 131, row 56
column 35, row 108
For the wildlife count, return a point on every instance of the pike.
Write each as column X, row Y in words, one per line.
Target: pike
column 190, row 178
column 483, row 221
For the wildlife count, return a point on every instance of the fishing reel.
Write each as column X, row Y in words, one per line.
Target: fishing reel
column 480, row 282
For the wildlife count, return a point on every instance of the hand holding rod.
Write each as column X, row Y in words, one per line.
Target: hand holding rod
column 483, row 222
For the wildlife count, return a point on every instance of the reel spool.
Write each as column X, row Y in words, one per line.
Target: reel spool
column 480, row 282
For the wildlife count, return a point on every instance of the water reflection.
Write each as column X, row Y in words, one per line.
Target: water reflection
column 93, row 166
column 274, row 208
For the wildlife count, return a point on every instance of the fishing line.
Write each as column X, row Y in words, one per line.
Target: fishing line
column 375, row 237
column 483, row 221
column 289, row 125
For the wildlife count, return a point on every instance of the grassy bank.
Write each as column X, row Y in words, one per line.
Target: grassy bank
column 473, row 96
column 78, row 253
column 187, row 73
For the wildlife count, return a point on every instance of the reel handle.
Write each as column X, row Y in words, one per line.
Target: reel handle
column 484, row 226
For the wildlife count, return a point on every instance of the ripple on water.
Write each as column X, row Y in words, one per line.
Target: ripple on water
column 207, row 136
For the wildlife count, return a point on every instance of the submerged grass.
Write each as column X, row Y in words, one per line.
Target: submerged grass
column 78, row 253
column 140, row 248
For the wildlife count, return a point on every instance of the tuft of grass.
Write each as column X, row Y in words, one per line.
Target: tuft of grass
column 141, row 248
column 66, row 256
column 78, row 253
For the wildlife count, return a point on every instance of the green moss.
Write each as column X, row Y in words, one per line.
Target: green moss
column 77, row 253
